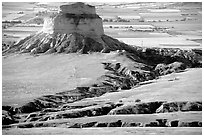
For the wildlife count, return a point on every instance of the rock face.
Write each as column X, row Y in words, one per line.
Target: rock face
column 76, row 28
column 75, row 18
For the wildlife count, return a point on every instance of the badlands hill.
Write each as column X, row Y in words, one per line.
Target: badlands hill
column 125, row 86
column 76, row 28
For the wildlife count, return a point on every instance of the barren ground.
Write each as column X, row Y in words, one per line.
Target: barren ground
column 26, row 77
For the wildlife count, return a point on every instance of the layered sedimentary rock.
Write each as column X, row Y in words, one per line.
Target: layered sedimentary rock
column 76, row 28
column 75, row 18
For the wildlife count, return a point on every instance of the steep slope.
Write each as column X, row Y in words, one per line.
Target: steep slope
column 102, row 82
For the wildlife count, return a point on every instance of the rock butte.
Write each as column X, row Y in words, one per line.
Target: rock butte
column 77, row 17
column 75, row 28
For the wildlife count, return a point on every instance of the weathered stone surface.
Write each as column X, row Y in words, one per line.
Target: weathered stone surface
column 174, row 123
column 152, row 124
column 87, row 111
column 101, row 124
column 75, row 18
column 7, row 118
column 138, row 108
column 190, row 124
column 179, row 106
column 78, row 8
column 90, row 124
column 132, row 124
column 115, row 124
column 29, row 107
column 76, row 125
column 168, row 107
column 162, row 122
column 192, row 106
column 10, row 109
column 162, row 69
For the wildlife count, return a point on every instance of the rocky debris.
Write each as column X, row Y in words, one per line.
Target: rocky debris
column 72, row 112
column 174, row 123
column 87, row 111
column 115, row 124
column 132, row 124
column 191, row 106
column 101, row 125
column 70, row 35
column 7, row 118
column 190, row 124
column 76, row 28
column 81, row 31
column 152, row 124
column 157, row 123
column 123, row 77
column 162, row 122
column 118, row 123
column 27, row 125
column 179, row 106
column 90, row 124
column 156, row 107
column 162, row 69
column 10, row 109
column 60, row 102
column 197, row 51
column 76, row 125
column 92, row 110
column 154, row 56
column 137, row 108
column 64, row 43
column 50, row 103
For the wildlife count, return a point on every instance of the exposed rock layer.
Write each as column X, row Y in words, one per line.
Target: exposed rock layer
column 81, row 31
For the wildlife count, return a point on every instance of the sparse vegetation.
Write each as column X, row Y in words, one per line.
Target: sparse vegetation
column 143, row 71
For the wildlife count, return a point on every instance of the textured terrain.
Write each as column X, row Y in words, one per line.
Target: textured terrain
column 131, row 87
column 71, row 78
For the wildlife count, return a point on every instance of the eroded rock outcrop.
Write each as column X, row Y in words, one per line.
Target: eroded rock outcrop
column 162, row 69
column 7, row 118
column 76, row 28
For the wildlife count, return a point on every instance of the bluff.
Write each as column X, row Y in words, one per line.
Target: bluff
column 75, row 28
